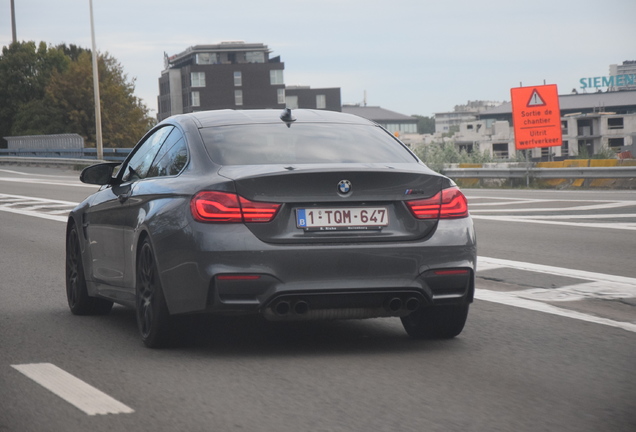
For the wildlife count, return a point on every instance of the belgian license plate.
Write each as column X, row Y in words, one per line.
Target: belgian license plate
column 333, row 219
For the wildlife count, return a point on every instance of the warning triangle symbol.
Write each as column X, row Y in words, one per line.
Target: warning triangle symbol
column 535, row 99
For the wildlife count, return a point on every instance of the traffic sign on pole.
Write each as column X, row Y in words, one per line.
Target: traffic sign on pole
column 536, row 116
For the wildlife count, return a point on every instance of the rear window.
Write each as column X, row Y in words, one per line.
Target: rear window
column 302, row 143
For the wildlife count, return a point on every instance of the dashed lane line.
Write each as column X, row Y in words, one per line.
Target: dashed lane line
column 73, row 390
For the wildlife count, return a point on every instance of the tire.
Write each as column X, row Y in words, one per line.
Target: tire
column 436, row 322
column 77, row 296
column 153, row 318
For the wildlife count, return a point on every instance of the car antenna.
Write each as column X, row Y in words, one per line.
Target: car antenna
column 287, row 117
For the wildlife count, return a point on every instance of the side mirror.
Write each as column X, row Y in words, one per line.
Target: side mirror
column 99, row 174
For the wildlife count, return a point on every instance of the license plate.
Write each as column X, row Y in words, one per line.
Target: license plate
column 333, row 219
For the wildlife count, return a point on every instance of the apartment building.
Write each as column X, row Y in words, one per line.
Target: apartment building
column 227, row 75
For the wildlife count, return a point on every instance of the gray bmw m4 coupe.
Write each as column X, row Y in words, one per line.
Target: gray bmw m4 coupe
column 299, row 215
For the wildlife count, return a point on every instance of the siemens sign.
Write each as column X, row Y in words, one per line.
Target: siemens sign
column 608, row 81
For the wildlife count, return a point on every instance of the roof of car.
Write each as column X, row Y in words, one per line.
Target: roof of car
column 232, row 117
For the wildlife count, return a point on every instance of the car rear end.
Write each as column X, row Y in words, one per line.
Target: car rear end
column 322, row 218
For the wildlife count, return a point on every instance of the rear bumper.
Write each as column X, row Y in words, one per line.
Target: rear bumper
column 210, row 271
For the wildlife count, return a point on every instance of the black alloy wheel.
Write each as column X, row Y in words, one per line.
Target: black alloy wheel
column 153, row 318
column 436, row 322
column 77, row 296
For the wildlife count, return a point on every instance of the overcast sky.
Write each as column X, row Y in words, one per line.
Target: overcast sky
column 410, row 56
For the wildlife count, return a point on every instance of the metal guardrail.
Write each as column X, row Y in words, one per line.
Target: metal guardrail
column 543, row 173
column 69, row 156
column 111, row 154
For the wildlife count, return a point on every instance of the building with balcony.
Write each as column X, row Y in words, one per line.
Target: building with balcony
column 227, row 75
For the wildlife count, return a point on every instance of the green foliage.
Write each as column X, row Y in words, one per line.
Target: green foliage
column 603, row 153
column 436, row 155
column 425, row 125
column 49, row 90
column 25, row 70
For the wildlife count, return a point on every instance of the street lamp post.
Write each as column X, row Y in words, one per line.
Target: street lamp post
column 13, row 31
column 98, row 111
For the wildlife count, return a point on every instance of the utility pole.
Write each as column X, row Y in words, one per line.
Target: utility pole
column 98, row 111
column 13, row 31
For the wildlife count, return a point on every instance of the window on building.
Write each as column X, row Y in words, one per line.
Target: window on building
column 616, row 143
column 615, row 123
column 197, row 79
column 500, row 151
column 321, row 101
column 564, row 127
column 238, row 97
column 196, row 99
column 547, row 153
column 255, row 57
column 469, row 127
column 565, row 149
column 281, row 96
column 238, row 79
column 291, row 102
column 276, row 77
column 207, row 58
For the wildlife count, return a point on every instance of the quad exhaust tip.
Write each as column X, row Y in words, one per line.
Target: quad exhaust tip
column 394, row 305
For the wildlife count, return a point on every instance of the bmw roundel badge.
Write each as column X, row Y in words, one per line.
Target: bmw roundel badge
column 344, row 187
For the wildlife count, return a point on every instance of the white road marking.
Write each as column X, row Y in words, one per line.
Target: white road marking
column 74, row 183
column 537, row 220
column 551, row 216
column 603, row 206
column 558, row 271
column 31, row 206
column 73, row 390
column 511, row 300
column 601, row 286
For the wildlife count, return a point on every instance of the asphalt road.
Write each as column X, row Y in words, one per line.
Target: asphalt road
column 528, row 359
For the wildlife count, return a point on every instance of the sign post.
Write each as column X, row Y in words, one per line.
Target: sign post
column 536, row 116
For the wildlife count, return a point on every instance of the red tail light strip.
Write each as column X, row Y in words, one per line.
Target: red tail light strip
column 448, row 204
column 450, row 272
column 224, row 207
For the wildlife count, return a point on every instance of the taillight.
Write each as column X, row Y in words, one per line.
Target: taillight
column 224, row 207
column 454, row 204
column 448, row 204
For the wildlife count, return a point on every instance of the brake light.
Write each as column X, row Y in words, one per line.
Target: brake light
column 224, row 207
column 448, row 204
column 450, row 272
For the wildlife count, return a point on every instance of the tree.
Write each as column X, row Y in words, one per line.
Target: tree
column 425, row 125
column 60, row 99
column 25, row 71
